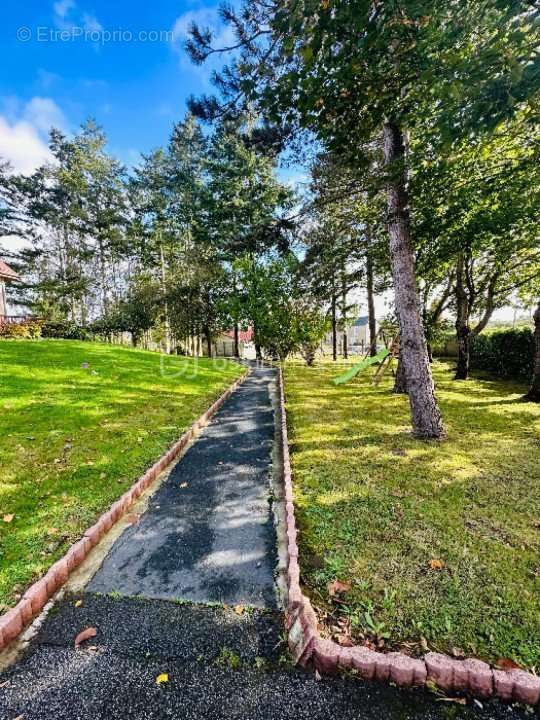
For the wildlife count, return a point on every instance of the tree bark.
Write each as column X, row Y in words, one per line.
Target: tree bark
column 167, row 324
column 426, row 416
column 236, row 341
column 334, row 329
column 400, row 383
column 534, row 393
column 463, row 330
column 208, row 337
column 345, row 337
column 372, row 321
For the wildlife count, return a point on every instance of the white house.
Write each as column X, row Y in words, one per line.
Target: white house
column 7, row 275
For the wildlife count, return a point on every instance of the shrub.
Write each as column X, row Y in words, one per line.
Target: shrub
column 65, row 330
column 505, row 353
column 24, row 330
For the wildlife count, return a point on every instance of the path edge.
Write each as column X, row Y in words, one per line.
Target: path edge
column 307, row 646
column 14, row 621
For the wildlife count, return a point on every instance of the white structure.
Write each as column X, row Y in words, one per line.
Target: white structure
column 7, row 275
column 357, row 337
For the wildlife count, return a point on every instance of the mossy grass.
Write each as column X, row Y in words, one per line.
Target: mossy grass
column 79, row 422
column 440, row 541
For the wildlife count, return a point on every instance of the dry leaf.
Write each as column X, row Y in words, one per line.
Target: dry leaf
column 52, row 531
column 507, row 664
column 183, row 485
column 90, row 632
column 318, row 675
column 239, row 609
column 102, row 476
column 344, row 640
column 338, row 588
column 8, row 518
column 458, row 700
column 5, row 684
column 78, row 603
column 436, row 564
column 132, row 518
column 163, row 678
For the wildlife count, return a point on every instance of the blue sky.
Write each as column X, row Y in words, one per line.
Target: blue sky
column 103, row 65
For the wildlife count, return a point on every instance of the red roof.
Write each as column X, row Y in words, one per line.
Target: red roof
column 7, row 272
column 243, row 335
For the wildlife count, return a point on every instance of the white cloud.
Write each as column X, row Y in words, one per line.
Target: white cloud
column 22, row 145
column 24, row 130
column 43, row 113
column 222, row 34
column 67, row 16
column 63, row 7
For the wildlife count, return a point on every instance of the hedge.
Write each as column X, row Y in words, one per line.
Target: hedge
column 65, row 330
column 505, row 353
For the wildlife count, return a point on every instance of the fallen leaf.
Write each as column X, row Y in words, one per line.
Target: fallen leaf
column 239, row 609
column 90, row 632
column 4, row 684
column 436, row 564
column 318, row 675
column 78, row 603
column 458, row 700
column 132, row 518
column 183, row 485
column 163, row 678
column 52, row 531
column 8, row 518
column 507, row 664
column 102, row 476
column 19, row 717
column 458, row 653
column 344, row 640
column 338, row 588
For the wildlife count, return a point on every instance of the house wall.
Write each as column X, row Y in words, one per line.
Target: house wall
column 3, row 304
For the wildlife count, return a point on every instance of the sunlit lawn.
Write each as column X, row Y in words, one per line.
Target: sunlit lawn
column 73, row 438
column 376, row 508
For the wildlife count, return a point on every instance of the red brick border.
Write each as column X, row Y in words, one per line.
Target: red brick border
column 306, row 644
column 36, row 597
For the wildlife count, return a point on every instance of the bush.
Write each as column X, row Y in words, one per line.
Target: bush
column 505, row 353
column 65, row 331
column 24, row 330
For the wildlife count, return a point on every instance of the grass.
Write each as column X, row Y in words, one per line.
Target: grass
column 376, row 507
column 79, row 422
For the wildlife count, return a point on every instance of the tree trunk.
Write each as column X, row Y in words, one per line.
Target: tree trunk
column 334, row 329
column 463, row 330
column 167, row 324
column 236, row 341
column 400, row 383
column 345, row 338
column 208, row 337
column 372, row 321
column 534, row 393
column 426, row 416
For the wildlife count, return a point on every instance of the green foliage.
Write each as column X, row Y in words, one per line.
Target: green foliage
column 26, row 330
column 505, row 353
column 66, row 331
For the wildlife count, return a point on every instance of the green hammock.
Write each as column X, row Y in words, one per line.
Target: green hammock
column 367, row 362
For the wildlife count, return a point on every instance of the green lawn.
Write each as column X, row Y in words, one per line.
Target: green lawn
column 73, row 438
column 378, row 509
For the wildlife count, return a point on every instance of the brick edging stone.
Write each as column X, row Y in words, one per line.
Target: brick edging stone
column 307, row 645
column 13, row 622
